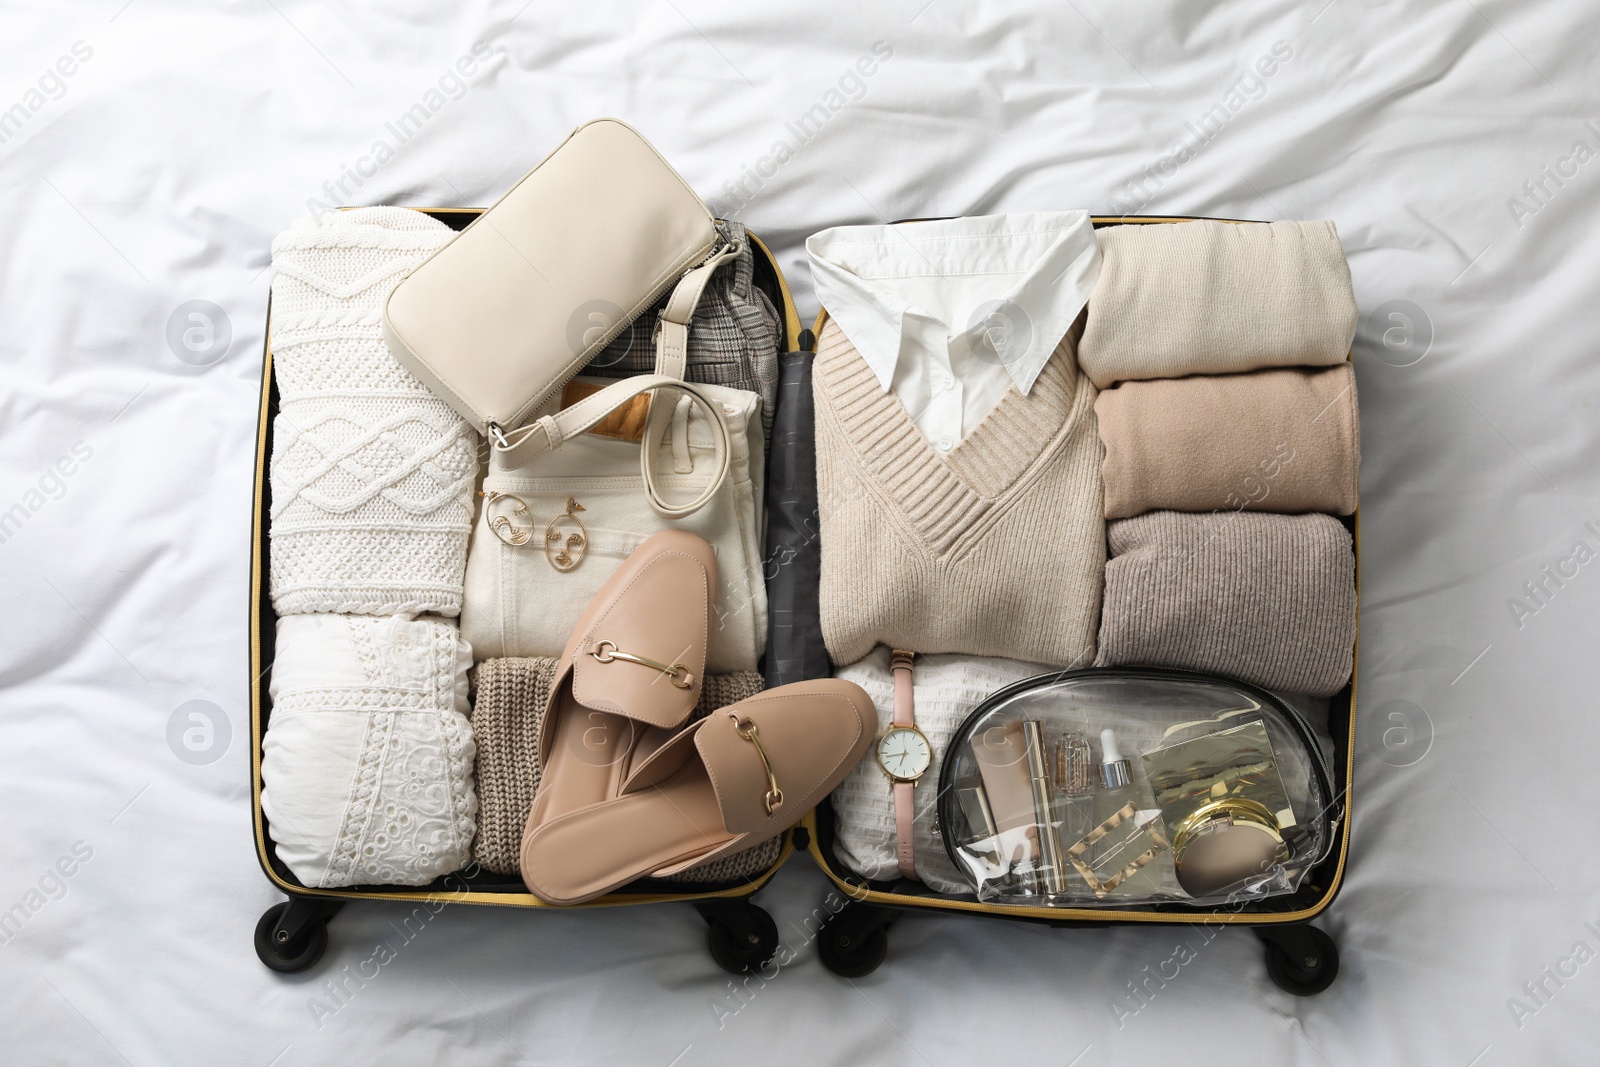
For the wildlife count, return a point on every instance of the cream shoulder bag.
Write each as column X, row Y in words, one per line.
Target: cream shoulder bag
column 500, row 319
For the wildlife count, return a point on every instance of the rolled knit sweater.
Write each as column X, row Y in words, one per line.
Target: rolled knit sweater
column 507, row 712
column 1281, row 440
column 1269, row 599
column 371, row 473
column 1215, row 298
column 994, row 549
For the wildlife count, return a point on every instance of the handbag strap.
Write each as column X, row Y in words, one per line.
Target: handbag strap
column 520, row 446
column 672, row 329
column 542, row 435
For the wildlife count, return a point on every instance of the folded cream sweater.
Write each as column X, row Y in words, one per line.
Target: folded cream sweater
column 1269, row 599
column 995, row 549
column 1215, row 298
column 1281, row 440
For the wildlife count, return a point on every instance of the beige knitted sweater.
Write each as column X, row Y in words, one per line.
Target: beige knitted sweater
column 995, row 549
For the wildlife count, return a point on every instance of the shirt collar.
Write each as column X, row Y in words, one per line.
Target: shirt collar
column 1016, row 282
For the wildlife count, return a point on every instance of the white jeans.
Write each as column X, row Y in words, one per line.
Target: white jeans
column 519, row 603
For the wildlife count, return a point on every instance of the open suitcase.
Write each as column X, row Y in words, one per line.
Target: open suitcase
column 1301, row 959
column 292, row 935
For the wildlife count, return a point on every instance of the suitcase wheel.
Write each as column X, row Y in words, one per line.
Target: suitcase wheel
column 1301, row 959
column 293, row 935
column 855, row 941
column 741, row 936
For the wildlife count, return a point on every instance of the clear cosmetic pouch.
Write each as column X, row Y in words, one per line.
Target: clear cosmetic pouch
column 1130, row 786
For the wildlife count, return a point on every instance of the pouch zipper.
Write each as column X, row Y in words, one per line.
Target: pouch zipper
column 1302, row 728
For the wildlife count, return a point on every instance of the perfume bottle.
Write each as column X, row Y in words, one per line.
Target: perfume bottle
column 1131, row 838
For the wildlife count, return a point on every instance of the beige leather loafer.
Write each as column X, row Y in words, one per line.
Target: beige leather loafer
column 632, row 668
column 739, row 777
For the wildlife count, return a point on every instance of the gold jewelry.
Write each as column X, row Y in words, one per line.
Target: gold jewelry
column 677, row 673
column 565, row 548
column 503, row 526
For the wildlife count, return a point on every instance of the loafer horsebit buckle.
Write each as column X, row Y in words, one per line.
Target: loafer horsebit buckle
column 747, row 730
column 677, row 673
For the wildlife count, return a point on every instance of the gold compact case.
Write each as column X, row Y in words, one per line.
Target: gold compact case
column 1224, row 842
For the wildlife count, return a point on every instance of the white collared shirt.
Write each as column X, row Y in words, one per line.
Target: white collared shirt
column 951, row 314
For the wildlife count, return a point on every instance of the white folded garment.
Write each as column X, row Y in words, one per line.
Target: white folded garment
column 366, row 766
column 371, row 473
column 945, row 690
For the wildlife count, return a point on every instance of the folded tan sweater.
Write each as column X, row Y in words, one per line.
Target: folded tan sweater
column 1283, row 440
column 993, row 549
column 1216, row 298
column 507, row 710
column 1268, row 599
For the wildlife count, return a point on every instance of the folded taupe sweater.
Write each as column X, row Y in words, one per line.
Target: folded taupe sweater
column 1282, row 440
column 507, row 711
column 1216, row 298
column 1268, row 599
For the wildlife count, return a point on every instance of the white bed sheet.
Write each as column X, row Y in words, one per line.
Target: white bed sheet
column 156, row 174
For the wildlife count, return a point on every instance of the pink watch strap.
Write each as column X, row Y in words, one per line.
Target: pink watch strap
column 905, row 714
column 904, row 802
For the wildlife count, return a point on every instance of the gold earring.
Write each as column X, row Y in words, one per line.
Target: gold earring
column 563, row 546
column 503, row 526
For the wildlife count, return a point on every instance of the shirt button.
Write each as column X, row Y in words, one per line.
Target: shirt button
column 945, row 443
column 949, row 381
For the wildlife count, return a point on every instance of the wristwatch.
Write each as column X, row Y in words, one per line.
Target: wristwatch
column 905, row 755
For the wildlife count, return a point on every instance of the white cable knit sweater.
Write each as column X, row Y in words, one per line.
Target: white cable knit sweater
column 371, row 474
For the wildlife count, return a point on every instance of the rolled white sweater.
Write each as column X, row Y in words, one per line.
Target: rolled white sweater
column 371, row 473
column 366, row 766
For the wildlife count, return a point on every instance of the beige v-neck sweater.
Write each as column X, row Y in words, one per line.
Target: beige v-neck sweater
column 995, row 549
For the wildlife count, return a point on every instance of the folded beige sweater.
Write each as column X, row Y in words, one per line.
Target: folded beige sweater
column 1268, row 599
column 507, row 710
column 1216, row 298
column 1282, row 440
column 993, row 549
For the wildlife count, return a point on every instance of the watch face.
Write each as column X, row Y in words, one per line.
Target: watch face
column 904, row 753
